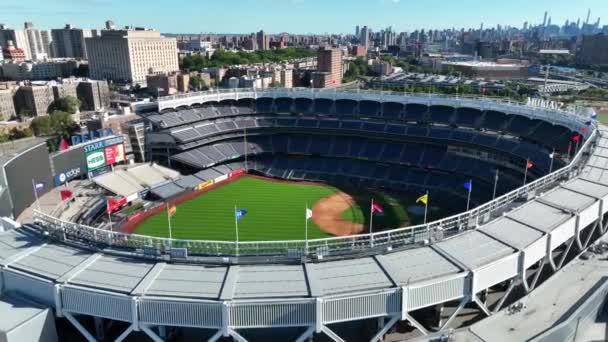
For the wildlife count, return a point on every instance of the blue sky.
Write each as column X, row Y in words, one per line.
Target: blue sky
column 296, row 16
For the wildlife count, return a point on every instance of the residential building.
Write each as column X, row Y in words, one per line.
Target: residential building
column 183, row 83
column 68, row 42
column 94, row 95
column 39, row 70
column 593, row 50
column 18, row 37
column 11, row 53
column 7, row 105
column 162, row 85
column 64, row 89
column 359, row 51
column 38, row 41
column 287, row 78
column 34, row 100
column 329, row 68
column 262, row 41
column 129, row 55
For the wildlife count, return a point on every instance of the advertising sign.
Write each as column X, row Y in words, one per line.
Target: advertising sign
column 115, row 154
column 95, row 160
column 67, row 176
column 205, row 184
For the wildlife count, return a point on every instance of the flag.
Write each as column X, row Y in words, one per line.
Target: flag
column 424, row 199
column 65, row 194
column 376, row 208
column 308, row 213
column 113, row 204
column 64, row 145
column 529, row 165
column 551, row 155
column 576, row 138
column 584, row 130
column 38, row 186
column 594, row 115
column 240, row 213
column 468, row 185
column 171, row 210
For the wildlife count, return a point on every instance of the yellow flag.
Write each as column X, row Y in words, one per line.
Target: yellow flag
column 424, row 199
column 172, row 210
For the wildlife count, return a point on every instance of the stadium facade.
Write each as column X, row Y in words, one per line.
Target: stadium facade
column 157, row 285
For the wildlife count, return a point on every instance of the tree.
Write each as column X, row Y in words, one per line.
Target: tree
column 68, row 104
column 197, row 83
column 57, row 123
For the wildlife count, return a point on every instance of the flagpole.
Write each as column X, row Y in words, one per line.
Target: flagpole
column 526, row 171
column 371, row 219
column 246, row 149
column 569, row 149
column 110, row 219
column 236, row 225
column 426, row 206
column 495, row 185
column 551, row 164
column 306, row 230
column 469, row 196
column 36, row 194
column 169, row 220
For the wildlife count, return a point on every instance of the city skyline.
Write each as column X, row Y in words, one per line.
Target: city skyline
column 294, row 16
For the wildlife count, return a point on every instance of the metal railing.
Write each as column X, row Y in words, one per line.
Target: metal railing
column 349, row 246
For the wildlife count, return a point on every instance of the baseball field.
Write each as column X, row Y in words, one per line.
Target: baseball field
column 275, row 211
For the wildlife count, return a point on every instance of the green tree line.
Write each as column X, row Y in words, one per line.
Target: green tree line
column 227, row 58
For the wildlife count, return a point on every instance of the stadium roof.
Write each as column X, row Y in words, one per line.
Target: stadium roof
column 131, row 180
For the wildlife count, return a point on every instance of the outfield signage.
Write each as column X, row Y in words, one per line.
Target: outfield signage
column 95, row 173
column 204, row 185
column 67, row 176
column 95, row 160
column 101, row 144
column 114, row 154
column 83, row 138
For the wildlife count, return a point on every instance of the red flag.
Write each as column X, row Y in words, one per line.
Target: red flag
column 529, row 165
column 64, row 145
column 376, row 208
column 576, row 138
column 65, row 194
column 114, row 204
column 584, row 129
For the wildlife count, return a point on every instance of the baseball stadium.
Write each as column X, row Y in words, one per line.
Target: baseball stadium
column 325, row 215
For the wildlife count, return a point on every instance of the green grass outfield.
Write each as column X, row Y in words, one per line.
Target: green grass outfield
column 275, row 212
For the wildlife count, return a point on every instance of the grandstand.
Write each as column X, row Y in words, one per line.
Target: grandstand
column 126, row 181
column 431, row 277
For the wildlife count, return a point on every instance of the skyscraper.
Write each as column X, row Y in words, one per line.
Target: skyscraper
column 38, row 41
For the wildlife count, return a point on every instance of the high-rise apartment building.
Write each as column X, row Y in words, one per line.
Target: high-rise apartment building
column 262, row 41
column 130, row 55
column 68, row 42
column 329, row 68
column 38, row 41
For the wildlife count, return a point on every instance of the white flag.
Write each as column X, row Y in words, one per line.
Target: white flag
column 308, row 213
column 551, row 155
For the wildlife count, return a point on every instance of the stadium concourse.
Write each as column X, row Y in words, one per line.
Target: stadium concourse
column 417, row 280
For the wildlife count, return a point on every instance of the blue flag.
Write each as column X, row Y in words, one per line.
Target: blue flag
column 38, row 186
column 240, row 213
column 468, row 185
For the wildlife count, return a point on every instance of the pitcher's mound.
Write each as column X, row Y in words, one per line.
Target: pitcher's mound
column 327, row 214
